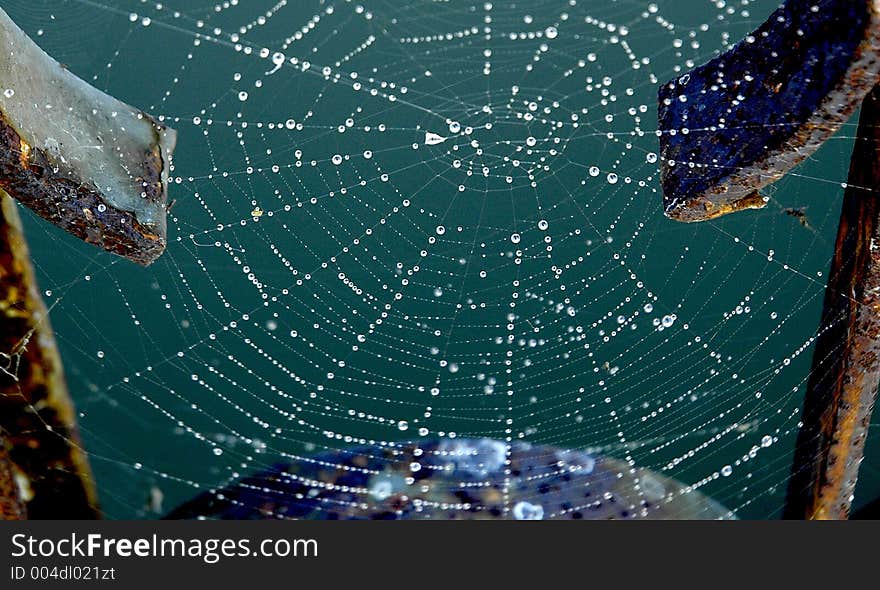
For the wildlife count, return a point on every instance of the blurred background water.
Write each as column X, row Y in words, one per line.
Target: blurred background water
column 398, row 219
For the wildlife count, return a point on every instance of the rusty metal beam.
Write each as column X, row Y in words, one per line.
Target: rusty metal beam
column 12, row 506
column 742, row 121
column 42, row 464
column 842, row 388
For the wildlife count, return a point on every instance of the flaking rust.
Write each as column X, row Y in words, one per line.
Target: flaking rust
column 79, row 158
column 41, row 460
column 12, row 506
column 743, row 120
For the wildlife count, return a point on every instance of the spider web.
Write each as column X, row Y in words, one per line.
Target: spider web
column 397, row 220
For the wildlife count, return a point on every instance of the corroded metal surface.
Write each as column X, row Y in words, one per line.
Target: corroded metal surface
column 12, row 505
column 454, row 479
column 37, row 418
column 60, row 198
column 846, row 362
column 743, row 120
column 81, row 159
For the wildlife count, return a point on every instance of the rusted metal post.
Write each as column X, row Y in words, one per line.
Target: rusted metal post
column 743, row 120
column 740, row 122
column 99, row 169
column 12, row 505
column 42, row 465
column 843, row 381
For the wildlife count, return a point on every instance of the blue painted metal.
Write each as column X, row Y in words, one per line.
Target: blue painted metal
column 453, row 479
column 743, row 120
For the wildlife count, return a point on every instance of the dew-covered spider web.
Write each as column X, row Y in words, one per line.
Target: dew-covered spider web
column 397, row 220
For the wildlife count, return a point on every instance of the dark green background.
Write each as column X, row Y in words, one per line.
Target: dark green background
column 153, row 417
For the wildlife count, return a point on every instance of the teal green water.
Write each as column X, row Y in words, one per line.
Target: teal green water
column 335, row 275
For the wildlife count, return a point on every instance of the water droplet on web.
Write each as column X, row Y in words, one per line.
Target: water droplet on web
column 433, row 138
column 382, row 488
column 528, row 511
